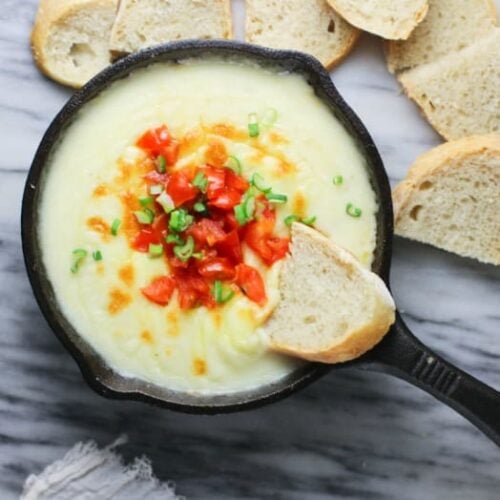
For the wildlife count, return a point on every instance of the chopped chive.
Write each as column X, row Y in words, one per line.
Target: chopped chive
column 180, row 220
column 185, row 252
column 155, row 250
column 338, row 180
column 260, row 183
column 309, row 221
column 146, row 216
column 239, row 213
column 174, row 238
column 244, row 212
column 161, row 164
column 353, row 211
column 234, row 164
column 269, row 118
column 199, row 207
column 166, row 202
column 197, row 255
column 253, row 125
column 277, row 198
column 97, row 255
column 201, row 181
column 156, row 189
column 78, row 257
column 219, row 295
column 115, row 226
column 290, row 219
column 146, row 201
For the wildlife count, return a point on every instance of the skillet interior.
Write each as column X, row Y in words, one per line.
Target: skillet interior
column 100, row 377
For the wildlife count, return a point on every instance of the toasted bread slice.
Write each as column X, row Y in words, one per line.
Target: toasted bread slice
column 310, row 26
column 332, row 309
column 143, row 23
column 70, row 38
column 448, row 26
column 459, row 93
column 451, row 198
column 386, row 18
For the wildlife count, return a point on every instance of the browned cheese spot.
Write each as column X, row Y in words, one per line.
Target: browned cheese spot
column 147, row 337
column 216, row 153
column 118, row 301
column 199, row 366
column 173, row 324
column 127, row 274
column 299, row 204
column 100, row 190
column 99, row 225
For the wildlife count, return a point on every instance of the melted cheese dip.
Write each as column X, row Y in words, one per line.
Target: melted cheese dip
column 200, row 350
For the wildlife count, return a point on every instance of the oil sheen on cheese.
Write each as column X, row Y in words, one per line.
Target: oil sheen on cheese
column 200, row 350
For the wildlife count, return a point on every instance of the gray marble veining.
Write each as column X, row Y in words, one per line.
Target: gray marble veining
column 350, row 435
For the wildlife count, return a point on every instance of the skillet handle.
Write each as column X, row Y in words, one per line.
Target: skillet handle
column 401, row 354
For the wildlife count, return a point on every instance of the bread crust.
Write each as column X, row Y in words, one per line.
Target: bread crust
column 356, row 342
column 49, row 14
column 395, row 34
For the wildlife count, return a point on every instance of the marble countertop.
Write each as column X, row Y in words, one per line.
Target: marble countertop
column 349, row 435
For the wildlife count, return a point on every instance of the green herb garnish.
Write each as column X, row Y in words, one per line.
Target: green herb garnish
column 253, row 125
column 174, row 238
column 277, row 198
column 156, row 189
column 115, row 226
column 353, row 211
column 79, row 256
column 185, row 252
column 146, row 216
column 234, row 164
column 180, row 220
column 155, row 250
column 338, row 180
column 166, row 202
column 219, row 295
column 260, row 183
column 145, row 201
column 309, row 221
column 97, row 255
column 290, row 219
column 199, row 207
column 201, row 182
column 161, row 164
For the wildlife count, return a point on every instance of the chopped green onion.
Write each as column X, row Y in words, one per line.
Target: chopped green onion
column 199, row 207
column 146, row 216
column 239, row 213
column 156, row 189
column 253, row 125
column 180, row 220
column 289, row 220
column 198, row 255
column 249, row 205
column 269, row 118
column 155, row 250
column 353, row 211
column 260, row 183
column 244, row 212
column 166, row 202
column 146, row 201
column 277, row 198
column 115, row 226
column 78, row 257
column 184, row 252
column 201, row 181
column 174, row 238
column 338, row 180
column 234, row 164
column 219, row 295
column 161, row 164
column 309, row 221
column 97, row 255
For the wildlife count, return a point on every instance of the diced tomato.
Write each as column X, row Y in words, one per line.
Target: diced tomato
column 155, row 177
column 154, row 139
column 227, row 199
column 160, row 290
column 144, row 238
column 251, row 282
column 217, row 268
column 230, row 247
column 235, row 181
column 180, row 189
column 171, row 152
column 279, row 247
column 207, row 231
column 193, row 291
column 216, row 178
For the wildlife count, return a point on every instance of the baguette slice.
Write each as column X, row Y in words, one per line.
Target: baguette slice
column 310, row 26
column 143, row 23
column 386, row 18
column 70, row 38
column 459, row 93
column 332, row 309
column 451, row 198
column 449, row 26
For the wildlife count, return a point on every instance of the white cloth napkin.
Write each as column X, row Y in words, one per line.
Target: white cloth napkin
column 89, row 473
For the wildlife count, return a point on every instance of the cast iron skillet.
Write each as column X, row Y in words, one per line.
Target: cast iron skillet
column 399, row 354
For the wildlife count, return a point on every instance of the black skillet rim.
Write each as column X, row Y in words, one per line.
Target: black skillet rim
column 94, row 370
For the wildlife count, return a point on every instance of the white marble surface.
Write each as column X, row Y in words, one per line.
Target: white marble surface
column 350, row 435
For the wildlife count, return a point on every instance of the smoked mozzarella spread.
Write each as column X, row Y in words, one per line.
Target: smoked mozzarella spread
column 303, row 152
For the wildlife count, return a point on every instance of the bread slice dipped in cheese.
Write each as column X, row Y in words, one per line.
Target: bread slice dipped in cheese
column 331, row 308
column 449, row 26
column 310, row 26
column 144, row 23
column 451, row 198
column 386, row 18
column 70, row 38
